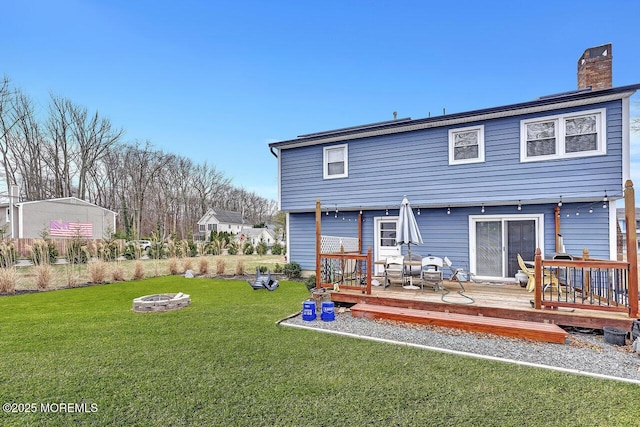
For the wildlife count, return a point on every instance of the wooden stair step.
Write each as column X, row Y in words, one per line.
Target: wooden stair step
column 537, row 331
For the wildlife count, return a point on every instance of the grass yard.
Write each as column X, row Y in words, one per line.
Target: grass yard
column 223, row 361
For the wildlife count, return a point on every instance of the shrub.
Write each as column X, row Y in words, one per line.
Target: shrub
column 232, row 248
column 310, row 282
column 276, row 249
column 203, row 265
column 157, row 249
column 248, row 248
column 187, row 264
column 43, row 252
column 173, row 265
column 220, row 266
column 261, row 248
column 7, row 254
column 77, row 252
column 107, row 250
column 97, row 271
column 263, row 269
column 292, row 270
column 240, row 268
column 117, row 273
column 132, row 251
column 138, row 272
column 43, row 276
column 215, row 247
column 8, row 280
column 277, row 268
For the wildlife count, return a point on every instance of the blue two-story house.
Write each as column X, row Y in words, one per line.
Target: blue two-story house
column 485, row 185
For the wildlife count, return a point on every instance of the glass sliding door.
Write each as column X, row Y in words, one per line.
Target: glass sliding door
column 496, row 241
column 489, row 248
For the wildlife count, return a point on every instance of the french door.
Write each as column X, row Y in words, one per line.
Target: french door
column 495, row 242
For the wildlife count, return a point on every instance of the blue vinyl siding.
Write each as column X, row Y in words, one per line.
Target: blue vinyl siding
column 448, row 235
column 383, row 168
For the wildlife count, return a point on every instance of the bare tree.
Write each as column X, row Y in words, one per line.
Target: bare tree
column 61, row 150
column 94, row 136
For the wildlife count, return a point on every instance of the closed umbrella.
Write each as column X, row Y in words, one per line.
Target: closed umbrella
column 408, row 232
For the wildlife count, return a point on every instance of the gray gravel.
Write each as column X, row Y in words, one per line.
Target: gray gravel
column 586, row 352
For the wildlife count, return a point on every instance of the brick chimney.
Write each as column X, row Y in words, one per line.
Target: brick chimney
column 594, row 68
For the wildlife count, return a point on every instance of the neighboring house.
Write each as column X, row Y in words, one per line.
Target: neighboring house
column 622, row 229
column 220, row 221
column 255, row 235
column 66, row 217
column 485, row 185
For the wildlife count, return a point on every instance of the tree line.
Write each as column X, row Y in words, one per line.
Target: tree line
column 75, row 152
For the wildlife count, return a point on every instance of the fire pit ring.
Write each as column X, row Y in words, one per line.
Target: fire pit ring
column 161, row 302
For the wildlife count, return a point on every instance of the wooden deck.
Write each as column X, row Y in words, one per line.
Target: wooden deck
column 503, row 301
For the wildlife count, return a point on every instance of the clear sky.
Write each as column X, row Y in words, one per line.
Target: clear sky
column 218, row 81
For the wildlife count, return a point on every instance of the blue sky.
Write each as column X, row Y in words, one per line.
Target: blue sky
column 217, row 81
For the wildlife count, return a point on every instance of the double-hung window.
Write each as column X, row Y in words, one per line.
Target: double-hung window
column 466, row 145
column 567, row 135
column 336, row 161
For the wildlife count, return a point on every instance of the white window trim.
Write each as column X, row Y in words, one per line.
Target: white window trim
column 480, row 158
column 325, row 163
column 473, row 219
column 559, row 119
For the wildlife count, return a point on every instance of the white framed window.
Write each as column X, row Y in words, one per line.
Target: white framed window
column 336, row 161
column 202, row 227
column 466, row 145
column 563, row 136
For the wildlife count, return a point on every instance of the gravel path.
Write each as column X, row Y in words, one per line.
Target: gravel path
column 586, row 352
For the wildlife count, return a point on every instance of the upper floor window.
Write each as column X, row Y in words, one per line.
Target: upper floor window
column 466, row 145
column 202, row 227
column 336, row 162
column 566, row 135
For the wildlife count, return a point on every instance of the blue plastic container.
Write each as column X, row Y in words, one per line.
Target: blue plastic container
column 328, row 314
column 309, row 310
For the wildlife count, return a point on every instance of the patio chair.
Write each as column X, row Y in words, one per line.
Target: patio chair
column 394, row 270
column 458, row 274
column 431, row 273
column 549, row 279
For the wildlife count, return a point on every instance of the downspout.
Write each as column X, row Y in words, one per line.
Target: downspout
column 272, row 152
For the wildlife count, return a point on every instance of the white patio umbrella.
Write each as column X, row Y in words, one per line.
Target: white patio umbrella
column 408, row 232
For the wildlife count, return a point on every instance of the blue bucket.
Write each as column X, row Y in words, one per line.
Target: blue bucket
column 309, row 310
column 328, row 313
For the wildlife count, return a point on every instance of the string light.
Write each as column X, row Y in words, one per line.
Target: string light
column 418, row 211
column 590, row 209
column 578, row 212
column 386, row 211
column 560, row 202
column 482, row 210
column 519, row 205
column 605, row 200
column 449, row 210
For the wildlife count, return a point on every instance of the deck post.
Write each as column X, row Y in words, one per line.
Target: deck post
column 369, row 263
column 632, row 245
column 318, row 241
column 557, row 223
column 587, row 277
column 538, row 278
column 360, row 232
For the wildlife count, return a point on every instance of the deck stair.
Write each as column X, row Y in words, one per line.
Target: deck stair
column 537, row 331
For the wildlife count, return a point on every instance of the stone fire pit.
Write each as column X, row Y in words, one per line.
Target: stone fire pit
column 161, row 302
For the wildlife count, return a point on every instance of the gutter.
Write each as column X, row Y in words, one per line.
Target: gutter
column 274, row 154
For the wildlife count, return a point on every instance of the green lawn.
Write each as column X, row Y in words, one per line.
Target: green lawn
column 223, row 361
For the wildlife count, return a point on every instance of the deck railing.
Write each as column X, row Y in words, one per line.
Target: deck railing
column 346, row 270
column 584, row 283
